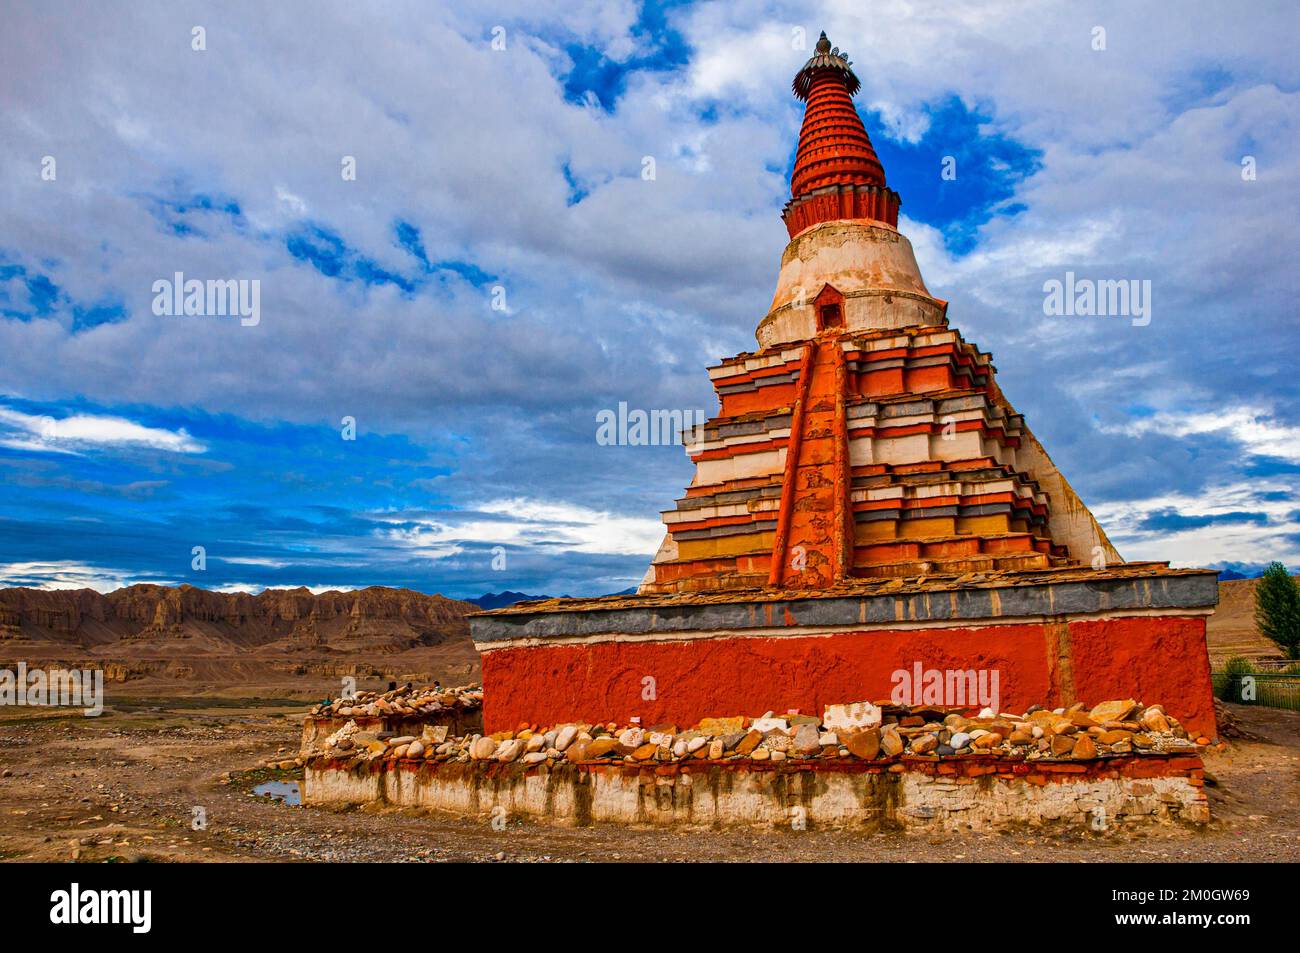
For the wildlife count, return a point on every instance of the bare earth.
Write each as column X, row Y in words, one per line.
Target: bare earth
column 123, row 786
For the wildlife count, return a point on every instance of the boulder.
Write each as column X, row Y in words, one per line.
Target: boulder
column 864, row 744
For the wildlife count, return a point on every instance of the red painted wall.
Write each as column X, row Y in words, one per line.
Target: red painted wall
column 1157, row 660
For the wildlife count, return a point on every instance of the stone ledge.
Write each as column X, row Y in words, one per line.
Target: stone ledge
column 1050, row 594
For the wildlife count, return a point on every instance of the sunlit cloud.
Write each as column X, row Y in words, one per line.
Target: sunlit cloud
column 83, row 433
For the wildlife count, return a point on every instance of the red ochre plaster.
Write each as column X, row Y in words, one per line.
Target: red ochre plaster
column 604, row 680
column 1153, row 660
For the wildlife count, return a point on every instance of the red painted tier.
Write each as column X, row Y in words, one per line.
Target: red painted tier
column 836, row 172
column 1153, row 659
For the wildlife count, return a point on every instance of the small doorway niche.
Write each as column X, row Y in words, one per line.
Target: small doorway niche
column 829, row 308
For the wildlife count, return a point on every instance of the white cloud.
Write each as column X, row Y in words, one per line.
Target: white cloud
column 1266, row 528
column 67, row 574
column 82, row 433
column 254, row 589
column 1256, row 429
column 561, row 527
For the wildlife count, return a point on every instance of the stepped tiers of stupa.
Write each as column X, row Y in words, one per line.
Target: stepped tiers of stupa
column 866, row 498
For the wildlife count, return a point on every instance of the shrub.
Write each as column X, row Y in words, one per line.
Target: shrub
column 1229, row 687
column 1277, row 609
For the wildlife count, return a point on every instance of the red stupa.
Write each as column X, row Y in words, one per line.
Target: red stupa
column 865, row 500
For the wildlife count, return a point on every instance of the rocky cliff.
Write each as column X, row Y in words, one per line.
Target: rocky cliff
column 162, row 630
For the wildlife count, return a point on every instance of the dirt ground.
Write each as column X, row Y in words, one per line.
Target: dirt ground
column 122, row 787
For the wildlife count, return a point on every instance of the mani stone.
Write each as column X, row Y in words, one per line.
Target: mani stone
column 510, row 750
column 722, row 726
column 924, row 744
column 851, row 717
column 601, row 747
column 891, row 742
column 1084, row 748
column 1062, row 745
column 807, row 739
column 864, row 744
column 1113, row 711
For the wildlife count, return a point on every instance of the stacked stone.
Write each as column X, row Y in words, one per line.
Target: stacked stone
column 860, row 731
column 407, row 702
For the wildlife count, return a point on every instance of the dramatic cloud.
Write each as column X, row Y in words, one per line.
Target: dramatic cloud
column 565, row 206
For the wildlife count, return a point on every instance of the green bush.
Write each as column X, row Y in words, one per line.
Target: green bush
column 1277, row 609
column 1228, row 684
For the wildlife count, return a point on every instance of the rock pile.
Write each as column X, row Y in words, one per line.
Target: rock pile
column 861, row 731
column 408, row 702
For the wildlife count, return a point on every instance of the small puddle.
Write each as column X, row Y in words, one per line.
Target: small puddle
column 286, row 791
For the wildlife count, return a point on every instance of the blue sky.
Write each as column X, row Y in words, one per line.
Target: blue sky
column 509, row 173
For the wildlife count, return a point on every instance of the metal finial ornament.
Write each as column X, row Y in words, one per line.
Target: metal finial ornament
column 826, row 58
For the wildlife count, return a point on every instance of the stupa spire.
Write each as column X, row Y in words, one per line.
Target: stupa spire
column 837, row 174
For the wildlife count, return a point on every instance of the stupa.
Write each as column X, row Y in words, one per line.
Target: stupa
column 866, row 501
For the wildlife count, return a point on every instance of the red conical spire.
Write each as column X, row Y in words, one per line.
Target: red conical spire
column 836, row 172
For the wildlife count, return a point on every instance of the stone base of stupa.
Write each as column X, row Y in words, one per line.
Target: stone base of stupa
column 905, row 794
column 1052, row 636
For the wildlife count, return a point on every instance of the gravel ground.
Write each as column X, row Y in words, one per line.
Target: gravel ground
column 124, row 786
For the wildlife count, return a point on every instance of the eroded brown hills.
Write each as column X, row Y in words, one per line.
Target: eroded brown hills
column 151, row 632
column 1232, row 630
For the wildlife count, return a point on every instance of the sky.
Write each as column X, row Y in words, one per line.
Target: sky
column 476, row 226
